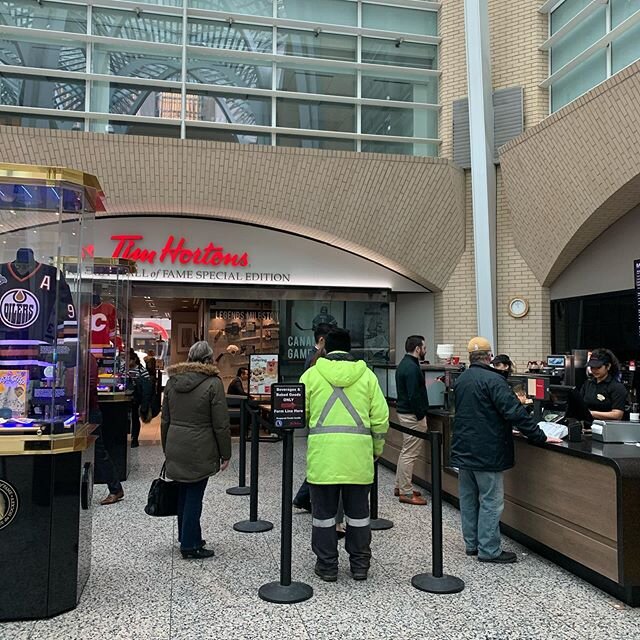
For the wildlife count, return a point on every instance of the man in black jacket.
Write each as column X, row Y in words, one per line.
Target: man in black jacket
column 412, row 408
column 482, row 449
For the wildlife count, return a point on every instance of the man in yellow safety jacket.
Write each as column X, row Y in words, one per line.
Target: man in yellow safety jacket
column 348, row 418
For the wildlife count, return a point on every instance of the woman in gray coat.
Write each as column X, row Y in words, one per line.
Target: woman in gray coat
column 195, row 439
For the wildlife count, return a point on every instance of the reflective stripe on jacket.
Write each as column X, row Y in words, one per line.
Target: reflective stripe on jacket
column 348, row 418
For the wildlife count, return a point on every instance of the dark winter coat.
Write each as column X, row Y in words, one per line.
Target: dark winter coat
column 411, row 389
column 195, row 422
column 486, row 409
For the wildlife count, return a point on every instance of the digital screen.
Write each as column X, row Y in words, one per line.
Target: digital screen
column 555, row 361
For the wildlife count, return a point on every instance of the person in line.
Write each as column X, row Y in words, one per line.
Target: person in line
column 152, row 365
column 104, row 464
column 237, row 385
column 140, row 382
column 482, row 449
column 412, row 406
column 302, row 499
column 348, row 418
column 195, row 439
column 604, row 396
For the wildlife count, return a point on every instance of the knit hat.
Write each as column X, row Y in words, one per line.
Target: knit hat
column 478, row 344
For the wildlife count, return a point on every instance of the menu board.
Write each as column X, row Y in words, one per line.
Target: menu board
column 263, row 373
column 288, row 406
column 636, row 281
column 13, row 393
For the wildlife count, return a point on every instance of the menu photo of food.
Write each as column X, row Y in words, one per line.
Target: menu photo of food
column 13, row 392
column 263, row 371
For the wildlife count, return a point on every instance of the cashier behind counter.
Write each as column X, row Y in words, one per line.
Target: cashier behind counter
column 602, row 393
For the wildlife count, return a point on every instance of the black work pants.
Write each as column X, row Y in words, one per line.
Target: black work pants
column 104, row 464
column 135, row 421
column 324, row 538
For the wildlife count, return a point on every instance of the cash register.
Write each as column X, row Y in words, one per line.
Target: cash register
column 616, row 431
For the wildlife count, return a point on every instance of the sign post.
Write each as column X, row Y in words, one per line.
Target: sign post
column 288, row 413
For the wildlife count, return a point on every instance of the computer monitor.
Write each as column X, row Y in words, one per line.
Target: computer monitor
column 556, row 361
column 575, row 407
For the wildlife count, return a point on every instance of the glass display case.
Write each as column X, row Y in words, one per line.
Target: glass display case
column 110, row 324
column 45, row 213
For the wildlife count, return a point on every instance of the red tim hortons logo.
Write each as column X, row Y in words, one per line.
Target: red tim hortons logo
column 19, row 309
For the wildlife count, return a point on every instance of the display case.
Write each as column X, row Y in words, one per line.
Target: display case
column 45, row 214
column 46, row 446
column 110, row 325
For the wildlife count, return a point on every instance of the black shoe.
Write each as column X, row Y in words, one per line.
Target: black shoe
column 341, row 534
column 473, row 552
column 305, row 506
column 134, row 444
column 506, row 557
column 327, row 577
column 359, row 574
column 199, row 553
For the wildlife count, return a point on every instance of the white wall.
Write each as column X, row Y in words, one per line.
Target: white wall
column 606, row 264
column 415, row 315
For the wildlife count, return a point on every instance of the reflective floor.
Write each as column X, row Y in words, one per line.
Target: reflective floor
column 141, row 588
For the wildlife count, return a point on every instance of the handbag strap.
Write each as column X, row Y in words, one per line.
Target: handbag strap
column 163, row 471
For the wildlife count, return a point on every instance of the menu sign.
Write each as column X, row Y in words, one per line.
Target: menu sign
column 636, row 281
column 288, row 406
column 263, row 373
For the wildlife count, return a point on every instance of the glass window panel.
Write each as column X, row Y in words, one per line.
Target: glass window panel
column 304, row 79
column 131, row 100
column 377, row 16
column 48, row 15
column 405, row 89
column 146, row 26
column 625, row 49
column 43, row 92
column 393, row 121
column 236, row 37
column 329, row 11
column 309, row 44
column 228, row 135
column 326, row 116
column 579, row 39
column 163, row 3
column 232, row 108
column 567, row 10
column 333, row 144
column 622, row 9
column 207, row 70
column 408, row 54
column 584, row 77
column 113, row 61
column 41, row 122
column 248, row 7
column 400, row 148
column 137, row 129
column 25, row 52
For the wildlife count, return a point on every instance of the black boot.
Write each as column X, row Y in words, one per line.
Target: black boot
column 199, row 553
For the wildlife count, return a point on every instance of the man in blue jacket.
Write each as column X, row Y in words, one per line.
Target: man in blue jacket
column 412, row 405
column 482, row 449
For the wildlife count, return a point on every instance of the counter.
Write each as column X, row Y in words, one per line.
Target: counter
column 46, row 486
column 577, row 504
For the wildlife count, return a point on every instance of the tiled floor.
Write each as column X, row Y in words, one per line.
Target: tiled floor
column 140, row 588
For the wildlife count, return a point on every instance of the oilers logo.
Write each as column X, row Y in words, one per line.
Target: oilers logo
column 19, row 309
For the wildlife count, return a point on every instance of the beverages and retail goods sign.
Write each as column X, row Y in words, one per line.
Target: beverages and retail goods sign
column 288, row 406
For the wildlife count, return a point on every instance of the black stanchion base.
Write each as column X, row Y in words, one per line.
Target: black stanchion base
column 249, row 526
column 429, row 583
column 381, row 524
column 239, row 491
column 281, row 594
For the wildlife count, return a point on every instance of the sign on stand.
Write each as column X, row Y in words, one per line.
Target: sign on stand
column 288, row 406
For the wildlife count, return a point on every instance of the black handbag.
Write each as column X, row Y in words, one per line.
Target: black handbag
column 163, row 497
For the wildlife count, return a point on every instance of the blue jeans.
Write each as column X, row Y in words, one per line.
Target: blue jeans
column 190, row 496
column 481, row 504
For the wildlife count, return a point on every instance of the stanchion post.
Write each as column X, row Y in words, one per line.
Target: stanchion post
column 242, row 489
column 436, row 582
column 285, row 591
column 377, row 524
column 253, row 525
